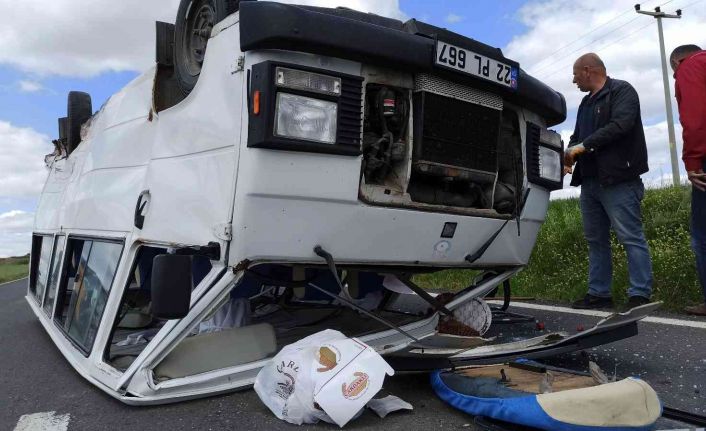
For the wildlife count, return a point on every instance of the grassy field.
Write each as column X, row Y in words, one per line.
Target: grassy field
column 12, row 268
column 559, row 264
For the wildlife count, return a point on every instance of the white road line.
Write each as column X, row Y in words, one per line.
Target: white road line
column 595, row 313
column 8, row 282
column 44, row 421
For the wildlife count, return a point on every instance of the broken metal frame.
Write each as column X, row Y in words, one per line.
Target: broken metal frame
column 613, row 328
column 438, row 307
column 417, row 362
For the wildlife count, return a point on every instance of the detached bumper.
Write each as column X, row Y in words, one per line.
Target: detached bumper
column 419, row 357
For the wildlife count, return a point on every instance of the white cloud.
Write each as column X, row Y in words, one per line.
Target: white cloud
column 15, row 220
column 452, row 18
column 63, row 37
column 22, row 169
column 635, row 58
column 15, row 233
column 26, row 86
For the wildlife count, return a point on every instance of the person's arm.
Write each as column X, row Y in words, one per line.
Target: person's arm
column 625, row 111
column 692, row 113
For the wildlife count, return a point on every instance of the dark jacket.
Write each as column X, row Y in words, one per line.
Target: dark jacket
column 618, row 141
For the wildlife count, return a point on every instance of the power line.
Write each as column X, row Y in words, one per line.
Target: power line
column 620, row 39
column 593, row 41
column 691, row 4
column 584, row 35
column 602, row 48
column 558, row 60
column 593, row 30
column 596, row 28
column 625, row 37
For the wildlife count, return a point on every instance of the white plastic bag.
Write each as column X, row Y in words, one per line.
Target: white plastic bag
column 286, row 383
column 320, row 375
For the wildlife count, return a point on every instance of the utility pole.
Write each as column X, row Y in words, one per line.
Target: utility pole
column 658, row 15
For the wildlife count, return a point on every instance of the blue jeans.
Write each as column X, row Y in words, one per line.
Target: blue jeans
column 617, row 206
column 698, row 232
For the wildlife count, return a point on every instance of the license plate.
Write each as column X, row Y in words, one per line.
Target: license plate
column 478, row 65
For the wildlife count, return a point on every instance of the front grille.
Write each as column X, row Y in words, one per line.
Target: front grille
column 442, row 87
column 455, row 133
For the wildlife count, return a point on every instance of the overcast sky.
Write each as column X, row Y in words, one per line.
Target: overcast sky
column 49, row 47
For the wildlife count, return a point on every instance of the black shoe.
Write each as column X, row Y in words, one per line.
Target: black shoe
column 636, row 301
column 590, row 302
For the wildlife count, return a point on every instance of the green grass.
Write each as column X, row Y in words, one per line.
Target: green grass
column 13, row 268
column 557, row 270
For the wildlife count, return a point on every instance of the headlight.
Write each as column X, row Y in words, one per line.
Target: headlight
column 312, row 110
column 300, row 117
column 545, row 162
column 549, row 164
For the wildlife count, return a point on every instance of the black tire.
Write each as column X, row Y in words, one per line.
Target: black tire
column 78, row 111
column 194, row 22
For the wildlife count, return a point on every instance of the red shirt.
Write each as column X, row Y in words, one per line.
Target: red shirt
column 691, row 96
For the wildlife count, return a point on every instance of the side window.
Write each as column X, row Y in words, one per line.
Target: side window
column 91, row 266
column 54, row 273
column 41, row 256
column 134, row 326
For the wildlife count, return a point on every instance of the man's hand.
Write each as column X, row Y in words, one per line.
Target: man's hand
column 570, row 157
column 698, row 179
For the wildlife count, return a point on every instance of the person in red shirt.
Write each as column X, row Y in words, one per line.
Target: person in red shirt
column 689, row 65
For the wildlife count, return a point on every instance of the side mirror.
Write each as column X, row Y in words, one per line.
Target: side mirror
column 171, row 286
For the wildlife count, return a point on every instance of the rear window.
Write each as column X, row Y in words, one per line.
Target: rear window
column 41, row 258
column 90, row 269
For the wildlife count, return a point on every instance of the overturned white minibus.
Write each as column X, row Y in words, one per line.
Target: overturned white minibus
column 285, row 169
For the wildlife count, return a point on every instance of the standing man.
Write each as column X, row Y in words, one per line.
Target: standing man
column 689, row 65
column 609, row 147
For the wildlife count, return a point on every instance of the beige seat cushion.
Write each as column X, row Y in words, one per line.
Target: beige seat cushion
column 216, row 350
column 627, row 403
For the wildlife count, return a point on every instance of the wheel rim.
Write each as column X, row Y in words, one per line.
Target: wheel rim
column 200, row 20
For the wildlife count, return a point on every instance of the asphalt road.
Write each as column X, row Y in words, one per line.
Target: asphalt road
column 36, row 378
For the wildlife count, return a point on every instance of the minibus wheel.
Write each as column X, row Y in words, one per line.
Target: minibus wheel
column 194, row 22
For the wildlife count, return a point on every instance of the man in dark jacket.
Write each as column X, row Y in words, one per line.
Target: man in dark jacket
column 689, row 65
column 608, row 146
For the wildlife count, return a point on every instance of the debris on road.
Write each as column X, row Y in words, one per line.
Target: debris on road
column 387, row 405
column 598, row 375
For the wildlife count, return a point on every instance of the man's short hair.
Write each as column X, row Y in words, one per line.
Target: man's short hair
column 683, row 50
